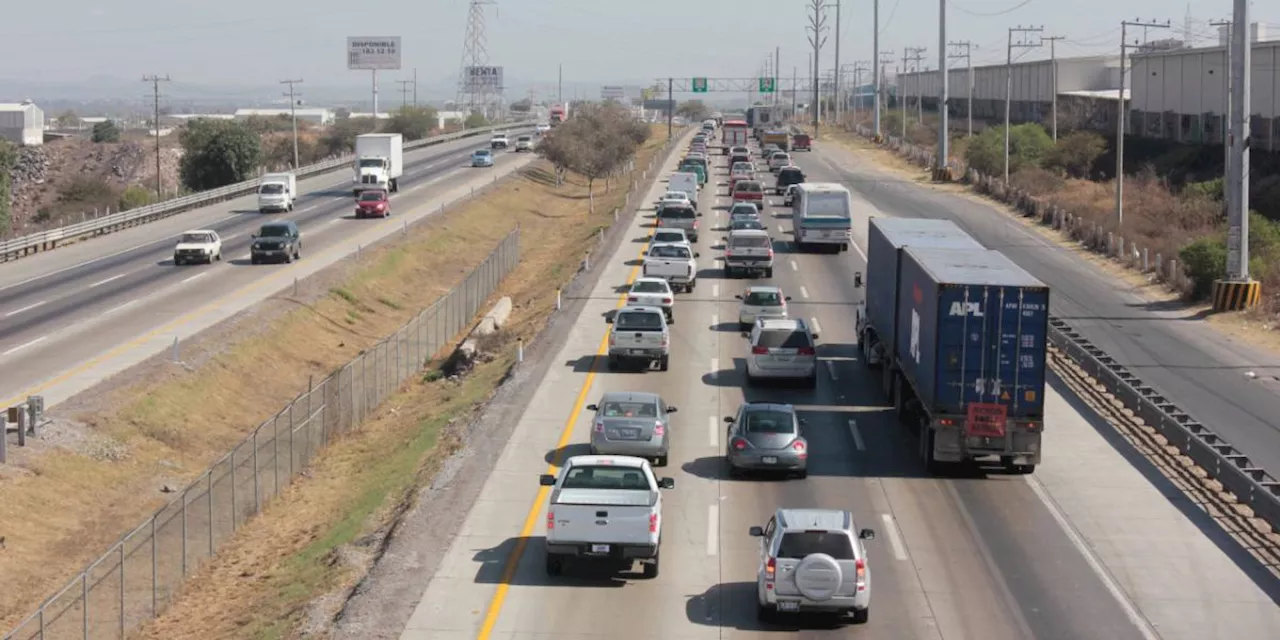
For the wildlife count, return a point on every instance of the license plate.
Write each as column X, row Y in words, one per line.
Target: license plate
column 628, row 433
column 599, row 548
column 769, row 460
column 789, row 606
column 637, row 352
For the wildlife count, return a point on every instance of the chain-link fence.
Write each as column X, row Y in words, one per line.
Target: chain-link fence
column 133, row 581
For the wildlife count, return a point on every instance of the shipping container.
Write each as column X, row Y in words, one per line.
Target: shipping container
column 886, row 238
column 971, row 338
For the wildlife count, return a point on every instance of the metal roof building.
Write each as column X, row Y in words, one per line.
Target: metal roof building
column 317, row 116
column 1031, row 90
column 1181, row 94
column 22, row 123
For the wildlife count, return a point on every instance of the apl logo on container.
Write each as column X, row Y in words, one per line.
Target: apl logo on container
column 967, row 309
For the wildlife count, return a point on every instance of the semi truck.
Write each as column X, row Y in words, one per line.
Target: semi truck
column 959, row 334
column 559, row 113
column 379, row 162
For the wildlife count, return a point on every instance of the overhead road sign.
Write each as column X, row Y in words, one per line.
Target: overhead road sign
column 699, row 85
column 736, row 85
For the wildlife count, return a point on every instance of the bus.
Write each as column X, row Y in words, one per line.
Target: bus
column 822, row 217
column 733, row 134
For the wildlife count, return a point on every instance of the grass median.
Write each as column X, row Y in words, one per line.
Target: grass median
column 314, row 537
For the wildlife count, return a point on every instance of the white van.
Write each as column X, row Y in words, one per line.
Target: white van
column 277, row 191
column 685, row 182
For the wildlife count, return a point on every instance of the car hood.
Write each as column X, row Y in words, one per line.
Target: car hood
column 369, row 204
column 187, row 246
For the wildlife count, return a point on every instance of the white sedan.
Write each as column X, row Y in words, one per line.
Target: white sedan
column 198, row 246
column 653, row 292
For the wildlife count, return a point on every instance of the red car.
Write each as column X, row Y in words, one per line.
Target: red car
column 800, row 142
column 748, row 191
column 374, row 202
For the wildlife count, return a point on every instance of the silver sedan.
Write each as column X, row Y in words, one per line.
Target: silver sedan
column 632, row 424
column 766, row 436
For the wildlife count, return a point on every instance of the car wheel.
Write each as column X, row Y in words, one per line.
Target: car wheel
column 288, row 258
column 651, row 567
column 768, row 273
column 555, row 565
column 219, row 256
column 692, row 284
column 613, row 362
column 661, row 461
column 802, row 474
column 664, row 363
column 860, row 616
column 671, row 317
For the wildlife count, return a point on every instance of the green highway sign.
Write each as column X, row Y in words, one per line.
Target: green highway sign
column 766, row 85
column 699, row 85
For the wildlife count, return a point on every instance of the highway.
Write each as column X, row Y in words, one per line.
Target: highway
column 980, row 558
column 71, row 316
column 1199, row 368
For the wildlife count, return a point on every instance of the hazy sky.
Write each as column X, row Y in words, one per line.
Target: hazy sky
column 623, row 41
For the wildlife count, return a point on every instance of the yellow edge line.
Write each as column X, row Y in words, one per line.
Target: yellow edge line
column 189, row 316
column 531, row 520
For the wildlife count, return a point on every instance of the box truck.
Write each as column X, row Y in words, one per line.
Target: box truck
column 959, row 333
column 379, row 162
column 277, row 192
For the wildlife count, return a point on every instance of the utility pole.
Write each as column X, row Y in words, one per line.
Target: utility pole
column 941, row 172
column 1053, row 64
column 883, row 60
column 155, row 81
column 835, row 88
column 817, row 37
column 917, row 55
column 293, row 113
column 777, row 60
column 877, row 66
column 560, row 86
column 795, row 88
column 858, row 67
column 1237, row 186
column 404, row 92
column 671, row 105
column 415, row 86
column 1122, row 112
column 1226, row 113
column 1008, row 81
column 901, row 81
column 968, row 63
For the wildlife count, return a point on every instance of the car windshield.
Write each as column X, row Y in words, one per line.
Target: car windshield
column 676, row 195
column 274, row 231
column 783, row 339
column 629, row 410
column 605, row 477
column 669, row 251
column 370, row 162
column 196, row 238
column 802, row 544
column 751, row 242
column 371, row 196
column 676, row 213
column 763, row 298
column 272, row 188
column 523, row 139
column 768, row 421
column 650, row 286
column 748, row 186
column 638, row 321
column 482, row 152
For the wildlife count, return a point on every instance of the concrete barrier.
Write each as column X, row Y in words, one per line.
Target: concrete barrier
column 493, row 321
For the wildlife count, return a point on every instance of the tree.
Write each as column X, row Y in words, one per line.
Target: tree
column 595, row 143
column 523, row 105
column 1076, row 152
column 1028, row 146
column 106, row 131
column 693, row 110
column 414, row 123
column 8, row 157
column 217, row 153
column 68, row 120
column 475, row 121
column 341, row 137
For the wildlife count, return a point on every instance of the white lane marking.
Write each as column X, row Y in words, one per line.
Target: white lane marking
column 715, row 320
column 26, row 308
column 24, row 346
column 112, row 278
column 715, row 291
column 794, row 266
column 713, row 430
column 804, row 293
column 895, row 538
column 305, row 209
column 857, row 436
column 123, row 306
column 831, row 369
column 713, row 529
column 1108, row 581
column 817, row 328
column 335, row 221
column 715, row 366
column 195, row 277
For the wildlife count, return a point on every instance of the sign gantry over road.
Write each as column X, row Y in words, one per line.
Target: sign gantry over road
column 734, row 85
column 698, row 85
column 766, row 85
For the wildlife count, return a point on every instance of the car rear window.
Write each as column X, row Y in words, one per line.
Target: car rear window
column 748, row 186
column 768, row 421
column 753, row 242
column 638, row 321
column 669, row 251
column 799, row 544
column 629, row 410
column 649, row 286
column 783, row 339
column 780, row 157
column 676, row 213
column 668, row 236
column 763, row 299
column 745, row 222
column 605, row 477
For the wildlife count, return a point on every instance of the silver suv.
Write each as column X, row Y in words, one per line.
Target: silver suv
column 640, row 334
column 811, row 560
column 782, row 348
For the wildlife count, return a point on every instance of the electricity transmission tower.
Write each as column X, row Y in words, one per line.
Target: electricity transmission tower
column 817, row 29
column 474, row 94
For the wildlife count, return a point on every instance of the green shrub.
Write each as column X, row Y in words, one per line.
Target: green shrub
column 135, row 196
column 1076, row 153
column 1204, row 261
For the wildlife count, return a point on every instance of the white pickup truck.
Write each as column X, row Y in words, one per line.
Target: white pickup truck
column 676, row 263
column 605, row 509
column 640, row 334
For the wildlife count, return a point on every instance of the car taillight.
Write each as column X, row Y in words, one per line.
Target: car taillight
column 658, row 429
column 760, row 350
column 771, row 255
column 599, row 428
column 807, row 351
column 800, row 449
column 612, row 338
column 666, row 339
column 770, row 570
column 739, row 444
column 632, row 299
column 653, row 523
column 861, row 574
column 551, row 520
column 666, row 301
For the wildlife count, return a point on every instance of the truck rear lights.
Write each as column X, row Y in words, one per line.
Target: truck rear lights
column 551, row 520
column 860, row 568
column 653, row 523
column 658, row 429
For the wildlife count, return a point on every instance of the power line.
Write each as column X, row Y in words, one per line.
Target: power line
column 1122, row 111
column 155, row 81
column 992, row 14
column 967, row 55
column 1008, row 80
column 293, row 113
column 1053, row 65
column 404, row 91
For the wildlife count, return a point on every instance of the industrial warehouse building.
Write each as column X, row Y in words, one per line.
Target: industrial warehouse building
column 1087, row 91
column 315, row 116
column 22, row 123
column 1181, row 94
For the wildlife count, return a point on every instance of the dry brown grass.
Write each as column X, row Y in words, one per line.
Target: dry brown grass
column 65, row 508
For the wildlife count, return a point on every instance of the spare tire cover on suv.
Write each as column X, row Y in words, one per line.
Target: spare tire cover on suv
column 818, row 577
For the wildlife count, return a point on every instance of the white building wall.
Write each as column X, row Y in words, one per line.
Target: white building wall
column 1031, row 81
column 22, row 124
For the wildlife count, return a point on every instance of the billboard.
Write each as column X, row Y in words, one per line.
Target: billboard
column 484, row 79
column 373, row 52
column 612, row 92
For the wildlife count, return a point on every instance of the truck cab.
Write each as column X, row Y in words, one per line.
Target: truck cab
column 379, row 162
column 276, row 192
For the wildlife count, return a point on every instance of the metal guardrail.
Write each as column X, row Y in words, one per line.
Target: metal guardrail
column 45, row 240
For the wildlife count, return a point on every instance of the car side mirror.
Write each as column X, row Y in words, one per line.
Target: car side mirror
column 756, row 532
column 699, row 214
column 728, row 419
column 608, row 319
column 737, row 296
column 672, row 409
column 746, row 334
column 546, row 480
column 867, row 534
column 788, row 298
column 815, row 336
column 593, row 407
column 254, row 236
column 857, row 280
column 697, row 255
column 666, row 483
